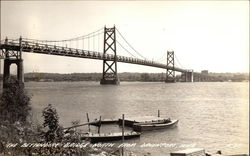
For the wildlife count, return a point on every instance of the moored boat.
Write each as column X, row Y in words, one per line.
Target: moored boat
column 162, row 121
column 153, row 126
column 103, row 137
column 130, row 121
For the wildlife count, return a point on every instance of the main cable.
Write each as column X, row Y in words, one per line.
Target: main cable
column 92, row 34
column 124, row 48
column 178, row 61
column 130, row 44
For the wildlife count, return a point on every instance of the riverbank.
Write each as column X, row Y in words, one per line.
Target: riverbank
column 130, row 77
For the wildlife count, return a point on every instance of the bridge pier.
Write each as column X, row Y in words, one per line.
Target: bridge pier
column 112, row 82
column 15, row 59
column 189, row 76
column 109, row 74
column 170, row 74
column 170, row 80
column 6, row 72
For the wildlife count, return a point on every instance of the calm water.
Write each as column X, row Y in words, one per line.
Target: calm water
column 213, row 116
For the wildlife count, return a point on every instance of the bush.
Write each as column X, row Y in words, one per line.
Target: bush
column 14, row 113
column 14, row 103
column 51, row 122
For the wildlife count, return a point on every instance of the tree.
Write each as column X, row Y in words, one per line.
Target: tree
column 14, row 103
column 145, row 77
column 51, row 122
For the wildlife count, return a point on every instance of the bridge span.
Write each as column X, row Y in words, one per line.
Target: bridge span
column 31, row 47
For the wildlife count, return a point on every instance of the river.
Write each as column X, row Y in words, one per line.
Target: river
column 212, row 115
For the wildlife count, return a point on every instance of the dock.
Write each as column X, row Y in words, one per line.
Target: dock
column 129, row 121
column 109, row 121
column 104, row 121
column 189, row 152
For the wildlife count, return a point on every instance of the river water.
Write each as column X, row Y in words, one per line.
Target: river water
column 212, row 115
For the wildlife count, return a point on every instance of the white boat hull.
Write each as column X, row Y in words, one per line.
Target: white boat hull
column 154, row 126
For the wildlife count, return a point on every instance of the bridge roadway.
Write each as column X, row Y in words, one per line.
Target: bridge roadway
column 41, row 48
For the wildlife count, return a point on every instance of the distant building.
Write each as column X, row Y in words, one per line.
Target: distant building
column 204, row 72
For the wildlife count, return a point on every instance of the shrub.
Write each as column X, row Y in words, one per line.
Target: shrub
column 51, row 123
column 14, row 103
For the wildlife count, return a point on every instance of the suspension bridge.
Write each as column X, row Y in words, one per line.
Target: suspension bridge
column 102, row 44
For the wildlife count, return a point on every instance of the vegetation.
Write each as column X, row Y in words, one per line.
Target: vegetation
column 51, row 122
column 17, row 132
column 14, row 103
column 14, row 113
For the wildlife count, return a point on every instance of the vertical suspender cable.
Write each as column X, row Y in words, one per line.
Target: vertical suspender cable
column 98, row 42
column 82, row 43
column 88, row 43
column 93, row 42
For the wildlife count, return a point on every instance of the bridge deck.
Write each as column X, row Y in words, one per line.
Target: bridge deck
column 32, row 47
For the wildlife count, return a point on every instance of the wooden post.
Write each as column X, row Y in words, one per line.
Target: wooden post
column 0, row 73
column 88, row 121
column 158, row 113
column 99, row 125
column 122, row 133
column 0, row 69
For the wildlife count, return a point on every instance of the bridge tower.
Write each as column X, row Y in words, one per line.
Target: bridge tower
column 170, row 74
column 109, row 74
column 13, row 56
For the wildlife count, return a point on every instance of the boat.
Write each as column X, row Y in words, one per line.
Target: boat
column 161, row 121
column 104, row 137
column 139, row 127
column 130, row 121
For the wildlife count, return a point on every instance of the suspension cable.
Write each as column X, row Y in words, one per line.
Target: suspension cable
column 83, row 43
column 130, row 44
column 178, row 61
column 93, row 43
column 98, row 43
column 124, row 48
column 161, row 58
column 88, row 42
column 71, row 39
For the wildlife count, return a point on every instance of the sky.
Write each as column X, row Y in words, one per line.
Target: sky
column 205, row 35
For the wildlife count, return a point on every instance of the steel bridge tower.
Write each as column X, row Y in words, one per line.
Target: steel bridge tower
column 13, row 56
column 170, row 74
column 109, row 74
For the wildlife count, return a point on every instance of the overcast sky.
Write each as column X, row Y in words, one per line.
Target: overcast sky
column 205, row 35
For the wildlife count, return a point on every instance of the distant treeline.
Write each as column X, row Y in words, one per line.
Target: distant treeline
column 145, row 77
column 236, row 77
column 93, row 77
